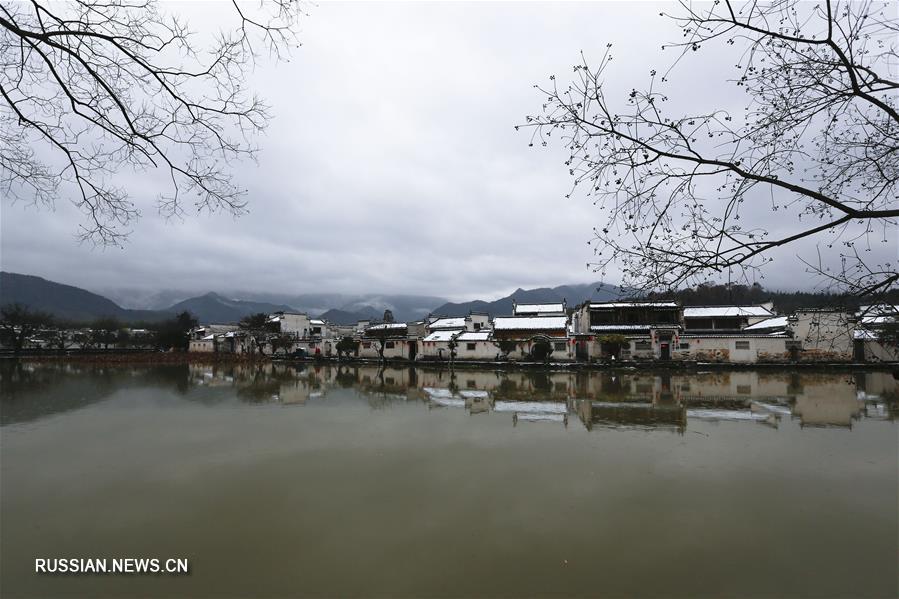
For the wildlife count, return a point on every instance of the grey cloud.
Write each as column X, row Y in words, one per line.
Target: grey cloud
column 392, row 164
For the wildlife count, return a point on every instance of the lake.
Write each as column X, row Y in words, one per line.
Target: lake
column 279, row 480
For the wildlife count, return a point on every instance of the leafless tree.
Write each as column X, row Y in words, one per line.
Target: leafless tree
column 92, row 88
column 818, row 144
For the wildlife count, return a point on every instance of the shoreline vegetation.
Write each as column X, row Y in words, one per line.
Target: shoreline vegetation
column 152, row 357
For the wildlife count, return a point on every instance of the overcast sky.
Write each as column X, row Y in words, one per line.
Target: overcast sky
column 392, row 164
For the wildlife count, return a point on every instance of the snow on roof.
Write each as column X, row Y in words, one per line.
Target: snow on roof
column 778, row 322
column 387, row 326
column 879, row 309
column 441, row 336
column 633, row 304
column 864, row 334
column 545, row 407
column 622, row 327
column 520, row 323
column 478, row 336
column 448, row 323
column 538, row 308
column 209, row 337
column 881, row 319
column 725, row 311
column 317, row 321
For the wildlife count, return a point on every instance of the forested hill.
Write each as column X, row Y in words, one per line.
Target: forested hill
column 785, row 302
column 65, row 301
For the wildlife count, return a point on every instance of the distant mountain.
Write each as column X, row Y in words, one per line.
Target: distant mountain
column 404, row 307
column 65, row 301
column 146, row 299
column 572, row 294
column 214, row 308
column 73, row 303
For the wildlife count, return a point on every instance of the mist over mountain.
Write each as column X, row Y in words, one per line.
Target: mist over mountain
column 65, row 301
column 213, row 307
column 572, row 294
column 74, row 303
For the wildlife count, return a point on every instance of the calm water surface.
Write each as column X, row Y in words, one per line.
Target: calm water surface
column 282, row 481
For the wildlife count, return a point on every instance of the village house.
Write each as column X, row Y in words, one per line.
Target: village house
column 871, row 340
column 822, row 334
column 547, row 309
column 440, row 345
column 476, row 345
column 295, row 324
column 739, row 347
column 206, row 338
column 524, row 338
column 475, row 321
column 724, row 318
column 387, row 341
column 774, row 325
column 649, row 330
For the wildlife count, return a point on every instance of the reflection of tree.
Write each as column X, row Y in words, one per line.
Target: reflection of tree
column 34, row 390
column 347, row 377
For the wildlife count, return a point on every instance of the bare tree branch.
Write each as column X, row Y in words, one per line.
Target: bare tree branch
column 819, row 137
column 90, row 89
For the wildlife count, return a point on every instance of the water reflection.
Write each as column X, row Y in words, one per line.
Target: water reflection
column 657, row 401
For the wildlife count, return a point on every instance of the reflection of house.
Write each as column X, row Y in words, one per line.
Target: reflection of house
column 836, row 409
column 723, row 318
column 532, row 332
column 534, row 411
column 640, row 414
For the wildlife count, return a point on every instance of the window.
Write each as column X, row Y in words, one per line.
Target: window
column 560, row 346
column 744, row 389
column 741, row 345
column 316, row 330
column 477, row 326
column 470, row 346
column 642, row 344
column 366, row 345
column 390, row 345
column 685, row 346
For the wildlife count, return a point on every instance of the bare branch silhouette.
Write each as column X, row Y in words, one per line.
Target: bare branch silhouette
column 818, row 143
column 91, row 88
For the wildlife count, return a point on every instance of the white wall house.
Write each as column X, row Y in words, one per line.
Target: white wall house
column 824, row 335
column 547, row 309
column 724, row 318
column 737, row 348
column 393, row 338
column 476, row 346
column 439, row 345
column 527, row 331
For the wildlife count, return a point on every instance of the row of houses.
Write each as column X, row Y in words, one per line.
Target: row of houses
column 591, row 332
